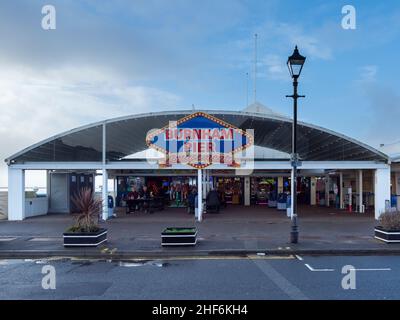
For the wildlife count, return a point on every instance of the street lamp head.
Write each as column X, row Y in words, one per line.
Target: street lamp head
column 295, row 63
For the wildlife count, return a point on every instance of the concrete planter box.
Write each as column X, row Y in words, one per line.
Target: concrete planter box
column 387, row 236
column 179, row 237
column 85, row 239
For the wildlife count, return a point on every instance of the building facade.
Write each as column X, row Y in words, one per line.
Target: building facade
column 335, row 170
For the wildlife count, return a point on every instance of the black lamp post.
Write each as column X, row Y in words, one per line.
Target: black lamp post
column 295, row 65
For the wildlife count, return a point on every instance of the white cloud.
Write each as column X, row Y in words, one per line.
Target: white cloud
column 275, row 42
column 275, row 67
column 309, row 42
column 37, row 105
column 368, row 73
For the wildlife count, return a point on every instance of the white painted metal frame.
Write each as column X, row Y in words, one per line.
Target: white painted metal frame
column 143, row 165
column 214, row 112
column 200, row 194
column 104, row 191
column 16, row 194
column 382, row 190
column 360, row 191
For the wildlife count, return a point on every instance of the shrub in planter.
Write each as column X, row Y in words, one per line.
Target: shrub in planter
column 86, row 231
column 389, row 227
column 177, row 236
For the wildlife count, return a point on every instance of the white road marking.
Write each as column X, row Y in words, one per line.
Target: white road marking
column 372, row 269
column 45, row 239
column 298, row 257
column 317, row 270
column 7, row 238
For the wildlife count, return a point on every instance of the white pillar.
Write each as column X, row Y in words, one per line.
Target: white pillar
column 115, row 190
column 48, row 185
column 341, row 202
column 246, row 191
column 16, row 194
column 327, row 183
column 397, row 185
column 208, row 186
column 204, row 183
column 104, row 194
column 313, row 191
column 382, row 190
column 200, row 194
column 360, row 191
column 104, row 191
column 293, row 193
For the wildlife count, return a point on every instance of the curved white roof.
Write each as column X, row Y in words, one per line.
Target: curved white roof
column 126, row 136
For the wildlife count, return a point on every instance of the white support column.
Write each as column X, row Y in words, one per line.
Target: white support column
column 48, row 187
column 313, row 191
column 16, row 194
column 397, row 185
column 341, row 193
column 246, row 191
column 327, row 183
column 204, row 183
column 357, row 191
column 104, row 191
column 382, row 190
column 207, row 175
column 200, row 194
column 293, row 193
column 48, row 184
column 360, row 191
column 104, row 195
column 115, row 190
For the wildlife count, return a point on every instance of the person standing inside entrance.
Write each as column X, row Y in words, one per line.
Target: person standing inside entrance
column 146, row 196
column 192, row 204
column 196, row 206
column 131, row 200
column 212, row 201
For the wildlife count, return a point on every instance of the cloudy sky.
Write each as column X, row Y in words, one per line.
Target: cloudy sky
column 111, row 58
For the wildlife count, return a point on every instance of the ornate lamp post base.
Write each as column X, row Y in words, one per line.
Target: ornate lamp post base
column 294, row 233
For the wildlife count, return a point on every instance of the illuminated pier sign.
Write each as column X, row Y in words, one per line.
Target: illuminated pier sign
column 199, row 140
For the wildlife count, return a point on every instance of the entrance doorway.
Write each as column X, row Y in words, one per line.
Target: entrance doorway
column 173, row 191
column 231, row 189
column 262, row 189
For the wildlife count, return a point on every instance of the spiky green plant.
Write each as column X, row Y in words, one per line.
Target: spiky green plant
column 89, row 209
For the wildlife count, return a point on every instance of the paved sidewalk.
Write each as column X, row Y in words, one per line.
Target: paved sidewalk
column 237, row 230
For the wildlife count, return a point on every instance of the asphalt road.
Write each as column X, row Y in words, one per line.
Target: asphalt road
column 256, row 277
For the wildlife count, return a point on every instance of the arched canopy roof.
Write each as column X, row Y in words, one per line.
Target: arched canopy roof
column 127, row 135
column 396, row 158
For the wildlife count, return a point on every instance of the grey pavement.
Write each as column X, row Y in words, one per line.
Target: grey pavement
column 235, row 229
column 253, row 277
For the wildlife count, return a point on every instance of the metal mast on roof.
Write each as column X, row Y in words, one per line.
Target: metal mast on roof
column 247, row 89
column 255, row 68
